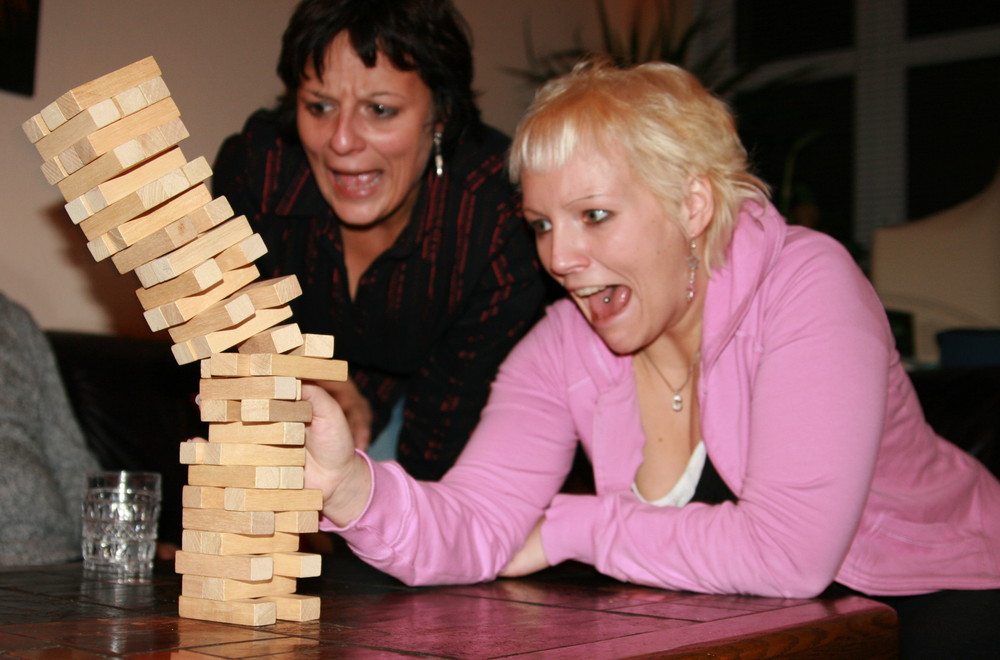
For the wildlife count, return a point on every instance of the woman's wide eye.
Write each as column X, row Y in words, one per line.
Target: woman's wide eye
column 597, row 215
column 540, row 226
column 382, row 111
column 317, row 108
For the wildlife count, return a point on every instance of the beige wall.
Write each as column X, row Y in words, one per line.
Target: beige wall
column 218, row 59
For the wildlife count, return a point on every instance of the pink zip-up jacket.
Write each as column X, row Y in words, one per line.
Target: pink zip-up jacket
column 805, row 412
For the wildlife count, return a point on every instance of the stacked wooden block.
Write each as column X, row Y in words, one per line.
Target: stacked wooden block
column 110, row 146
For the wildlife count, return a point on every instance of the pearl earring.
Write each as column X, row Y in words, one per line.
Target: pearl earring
column 438, row 158
column 693, row 262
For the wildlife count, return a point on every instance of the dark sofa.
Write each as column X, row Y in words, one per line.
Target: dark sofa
column 963, row 405
column 136, row 404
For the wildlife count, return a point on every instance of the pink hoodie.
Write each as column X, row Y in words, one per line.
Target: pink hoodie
column 805, row 412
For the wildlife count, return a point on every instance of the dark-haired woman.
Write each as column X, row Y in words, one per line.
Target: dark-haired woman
column 377, row 184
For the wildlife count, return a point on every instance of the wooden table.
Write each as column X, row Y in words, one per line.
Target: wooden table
column 568, row 611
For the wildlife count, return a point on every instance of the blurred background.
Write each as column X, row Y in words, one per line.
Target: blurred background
column 863, row 114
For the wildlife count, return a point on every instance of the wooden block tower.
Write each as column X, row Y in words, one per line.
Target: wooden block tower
column 110, row 146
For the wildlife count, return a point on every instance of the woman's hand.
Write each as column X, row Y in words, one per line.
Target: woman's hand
column 356, row 409
column 530, row 558
column 332, row 465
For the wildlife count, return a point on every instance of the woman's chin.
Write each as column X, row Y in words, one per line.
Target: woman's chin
column 617, row 337
column 356, row 215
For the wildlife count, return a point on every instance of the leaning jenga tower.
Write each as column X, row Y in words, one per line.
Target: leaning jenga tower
column 110, row 146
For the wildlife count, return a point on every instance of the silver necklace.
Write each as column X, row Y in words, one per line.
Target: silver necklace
column 677, row 403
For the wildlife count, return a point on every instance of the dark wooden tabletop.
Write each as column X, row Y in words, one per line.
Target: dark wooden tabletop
column 569, row 611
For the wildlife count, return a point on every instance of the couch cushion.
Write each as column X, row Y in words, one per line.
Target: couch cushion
column 963, row 405
column 135, row 405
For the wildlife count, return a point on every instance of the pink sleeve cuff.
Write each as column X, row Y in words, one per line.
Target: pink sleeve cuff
column 568, row 531
column 327, row 525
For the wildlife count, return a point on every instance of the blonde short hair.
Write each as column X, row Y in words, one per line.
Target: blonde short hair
column 669, row 126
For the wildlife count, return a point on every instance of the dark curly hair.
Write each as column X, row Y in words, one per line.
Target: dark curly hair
column 427, row 36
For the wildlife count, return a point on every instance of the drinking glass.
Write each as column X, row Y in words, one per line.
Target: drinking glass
column 120, row 515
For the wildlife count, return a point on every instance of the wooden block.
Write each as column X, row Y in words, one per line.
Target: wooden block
column 244, row 612
column 295, row 607
column 144, row 199
column 213, row 588
column 87, row 94
column 257, row 499
column 268, row 433
column 246, row 476
column 155, row 319
column 185, row 258
column 136, row 230
column 203, row 497
column 304, row 368
column 156, row 245
column 241, row 476
column 211, row 214
column 223, row 314
column 112, row 190
column 269, row 410
column 237, row 567
column 247, row 251
column 54, row 172
column 231, row 453
column 251, row 387
column 185, row 309
column 170, row 237
column 154, row 89
column 238, row 522
column 52, row 115
column 83, row 124
column 145, row 93
column 198, row 170
column 104, row 194
column 103, row 140
column 124, row 156
column 297, row 564
column 217, row 342
column 160, row 137
column 313, row 345
column 221, row 411
column 130, row 101
column 291, row 477
column 101, row 247
column 279, row 339
column 35, row 128
column 227, row 365
column 226, row 543
column 273, row 292
column 194, row 281
column 296, row 522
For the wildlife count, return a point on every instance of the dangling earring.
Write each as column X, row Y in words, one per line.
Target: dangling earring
column 693, row 262
column 438, row 158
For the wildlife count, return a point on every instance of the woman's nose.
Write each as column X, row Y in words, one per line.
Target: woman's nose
column 567, row 251
column 346, row 138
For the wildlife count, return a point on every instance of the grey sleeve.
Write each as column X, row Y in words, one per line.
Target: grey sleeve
column 43, row 454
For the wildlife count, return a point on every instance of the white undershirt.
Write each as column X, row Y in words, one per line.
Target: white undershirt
column 683, row 490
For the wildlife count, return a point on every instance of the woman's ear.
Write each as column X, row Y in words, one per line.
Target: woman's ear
column 699, row 203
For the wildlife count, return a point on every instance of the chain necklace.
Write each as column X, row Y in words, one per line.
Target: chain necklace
column 677, row 403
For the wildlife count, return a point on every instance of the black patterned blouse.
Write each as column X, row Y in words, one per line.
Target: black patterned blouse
column 434, row 315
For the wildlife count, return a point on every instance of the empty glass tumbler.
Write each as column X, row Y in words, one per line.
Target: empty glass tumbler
column 120, row 515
